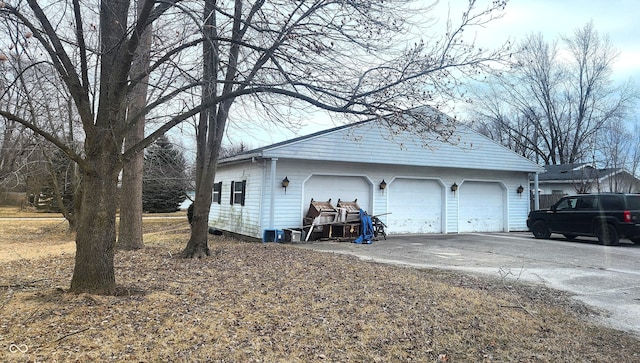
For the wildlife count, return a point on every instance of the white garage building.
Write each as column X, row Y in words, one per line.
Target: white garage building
column 465, row 184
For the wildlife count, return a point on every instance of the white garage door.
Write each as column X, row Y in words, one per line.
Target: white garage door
column 349, row 188
column 481, row 207
column 415, row 206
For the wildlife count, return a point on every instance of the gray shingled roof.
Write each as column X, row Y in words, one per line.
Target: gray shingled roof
column 248, row 153
column 578, row 171
column 296, row 139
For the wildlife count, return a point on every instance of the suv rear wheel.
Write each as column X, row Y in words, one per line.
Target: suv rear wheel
column 607, row 234
column 540, row 230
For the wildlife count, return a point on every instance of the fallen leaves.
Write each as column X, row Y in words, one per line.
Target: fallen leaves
column 255, row 302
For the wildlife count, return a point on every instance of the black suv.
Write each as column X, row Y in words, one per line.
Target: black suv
column 606, row 216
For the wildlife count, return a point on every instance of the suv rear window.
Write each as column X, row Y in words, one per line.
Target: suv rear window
column 611, row 202
column 633, row 202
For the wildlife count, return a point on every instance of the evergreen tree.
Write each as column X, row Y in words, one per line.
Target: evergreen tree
column 164, row 182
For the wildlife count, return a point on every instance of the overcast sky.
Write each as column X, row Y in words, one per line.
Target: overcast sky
column 619, row 19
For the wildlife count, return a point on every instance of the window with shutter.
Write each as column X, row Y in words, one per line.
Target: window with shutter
column 217, row 193
column 238, row 192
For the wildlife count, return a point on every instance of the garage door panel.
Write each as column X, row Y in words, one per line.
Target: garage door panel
column 415, row 206
column 481, row 206
column 349, row 188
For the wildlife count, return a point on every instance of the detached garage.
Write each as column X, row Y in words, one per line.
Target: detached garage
column 415, row 184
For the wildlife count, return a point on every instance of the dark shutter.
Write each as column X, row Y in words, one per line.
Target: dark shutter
column 244, row 191
column 232, row 190
column 219, row 193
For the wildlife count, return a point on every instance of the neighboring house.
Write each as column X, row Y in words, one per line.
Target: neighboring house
column 584, row 178
column 415, row 184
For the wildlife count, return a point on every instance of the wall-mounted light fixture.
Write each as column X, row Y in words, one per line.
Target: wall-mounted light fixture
column 285, row 184
column 520, row 189
column 383, row 184
column 454, row 187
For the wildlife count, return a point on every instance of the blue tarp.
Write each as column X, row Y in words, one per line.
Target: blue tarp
column 366, row 229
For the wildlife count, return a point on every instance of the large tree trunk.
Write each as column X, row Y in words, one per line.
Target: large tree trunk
column 130, row 232
column 198, row 245
column 206, row 157
column 211, row 125
column 96, row 234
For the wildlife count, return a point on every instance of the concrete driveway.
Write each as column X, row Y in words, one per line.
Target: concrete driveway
column 607, row 278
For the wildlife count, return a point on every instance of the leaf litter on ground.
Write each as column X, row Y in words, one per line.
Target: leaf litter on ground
column 254, row 302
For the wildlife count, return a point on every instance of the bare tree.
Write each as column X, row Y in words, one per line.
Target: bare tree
column 71, row 44
column 618, row 150
column 18, row 146
column 614, row 140
column 234, row 149
column 551, row 104
column 634, row 165
column 130, row 228
column 15, row 148
column 345, row 57
column 350, row 57
column 34, row 94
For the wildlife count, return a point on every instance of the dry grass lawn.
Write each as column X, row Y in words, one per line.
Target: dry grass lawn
column 253, row 302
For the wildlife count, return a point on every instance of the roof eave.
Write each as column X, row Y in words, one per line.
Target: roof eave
column 239, row 158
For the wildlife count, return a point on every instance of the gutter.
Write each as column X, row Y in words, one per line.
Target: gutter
column 272, row 197
column 239, row 158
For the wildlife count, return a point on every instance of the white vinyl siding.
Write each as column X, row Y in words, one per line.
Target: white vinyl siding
column 238, row 218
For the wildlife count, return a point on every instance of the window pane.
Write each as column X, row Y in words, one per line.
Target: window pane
column 568, row 203
column 216, row 197
column 611, row 202
column 634, row 202
column 586, row 203
column 237, row 192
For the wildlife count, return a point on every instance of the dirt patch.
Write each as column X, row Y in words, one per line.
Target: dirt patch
column 253, row 302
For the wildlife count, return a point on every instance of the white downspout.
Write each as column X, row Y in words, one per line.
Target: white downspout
column 536, row 196
column 272, row 194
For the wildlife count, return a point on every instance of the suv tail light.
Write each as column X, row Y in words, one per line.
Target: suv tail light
column 627, row 216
